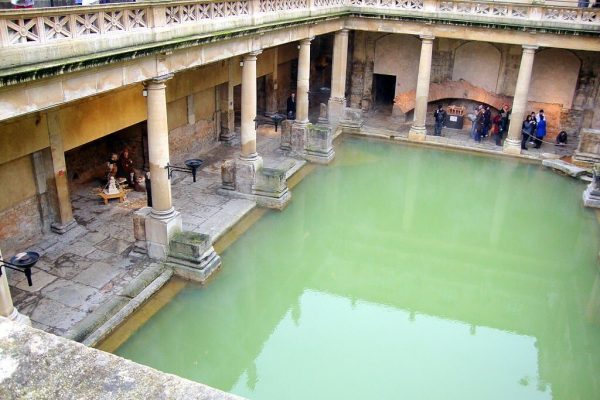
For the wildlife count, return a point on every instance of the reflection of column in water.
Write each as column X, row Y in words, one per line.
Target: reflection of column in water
column 412, row 183
column 593, row 306
column 500, row 205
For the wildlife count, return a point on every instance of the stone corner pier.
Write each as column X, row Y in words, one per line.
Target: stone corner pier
column 40, row 365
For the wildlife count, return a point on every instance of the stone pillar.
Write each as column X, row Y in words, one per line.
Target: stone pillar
column 7, row 309
column 65, row 220
column 249, row 107
column 512, row 144
column 417, row 130
column 273, row 86
column 228, row 128
column 303, row 82
column 162, row 221
column 337, row 101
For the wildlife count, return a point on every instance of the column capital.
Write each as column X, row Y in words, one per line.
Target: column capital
column 343, row 32
column 252, row 55
column 530, row 48
column 157, row 82
column 427, row 38
column 306, row 42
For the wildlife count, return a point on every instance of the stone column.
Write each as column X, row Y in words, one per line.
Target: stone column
column 228, row 131
column 162, row 221
column 273, row 86
column 248, row 153
column 65, row 220
column 6, row 305
column 512, row 144
column 417, row 130
column 337, row 101
column 303, row 82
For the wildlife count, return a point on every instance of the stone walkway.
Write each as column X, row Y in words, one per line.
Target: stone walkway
column 93, row 265
column 88, row 274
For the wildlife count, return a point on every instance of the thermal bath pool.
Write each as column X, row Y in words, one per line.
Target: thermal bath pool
column 399, row 272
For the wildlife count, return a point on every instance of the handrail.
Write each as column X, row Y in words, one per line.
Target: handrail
column 26, row 27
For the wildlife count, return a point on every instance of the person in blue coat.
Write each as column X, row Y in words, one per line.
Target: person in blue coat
column 540, row 131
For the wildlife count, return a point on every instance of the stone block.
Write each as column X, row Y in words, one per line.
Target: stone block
column 352, row 120
column 192, row 256
column 286, row 135
column 318, row 146
column 228, row 170
column 588, row 150
column 271, row 187
column 159, row 232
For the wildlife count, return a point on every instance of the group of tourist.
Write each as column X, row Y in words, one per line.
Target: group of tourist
column 483, row 125
column 533, row 129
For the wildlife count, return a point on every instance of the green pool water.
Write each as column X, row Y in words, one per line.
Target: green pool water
column 399, row 273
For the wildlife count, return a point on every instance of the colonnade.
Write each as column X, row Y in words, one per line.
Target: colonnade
column 512, row 144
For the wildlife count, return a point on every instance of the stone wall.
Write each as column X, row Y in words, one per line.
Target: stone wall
column 21, row 225
column 88, row 162
column 563, row 81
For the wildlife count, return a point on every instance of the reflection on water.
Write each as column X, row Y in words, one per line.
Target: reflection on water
column 399, row 273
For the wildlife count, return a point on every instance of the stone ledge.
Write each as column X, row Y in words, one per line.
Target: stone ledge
column 39, row 365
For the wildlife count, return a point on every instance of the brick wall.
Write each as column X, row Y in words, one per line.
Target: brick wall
column 21, row 225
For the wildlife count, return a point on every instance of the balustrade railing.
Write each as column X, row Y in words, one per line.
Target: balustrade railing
column 47, row 25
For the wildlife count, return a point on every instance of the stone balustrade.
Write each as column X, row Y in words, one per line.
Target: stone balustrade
column 51, row 25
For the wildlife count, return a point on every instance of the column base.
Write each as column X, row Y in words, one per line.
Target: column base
column 417, row 133
column 319, row 144
column 250, row 180
column 591, row 197
column 226, row 136
column 19, row 318
column 335, row 109
column 192, row 256
column 512, row 146
column 159, row 232
column 59, row 228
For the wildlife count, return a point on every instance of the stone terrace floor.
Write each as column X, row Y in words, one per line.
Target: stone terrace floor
column 94, row 263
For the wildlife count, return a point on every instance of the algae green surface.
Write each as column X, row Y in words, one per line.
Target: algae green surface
column 399, row 273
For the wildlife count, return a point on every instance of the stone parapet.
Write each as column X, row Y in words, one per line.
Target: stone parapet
column 40, row 365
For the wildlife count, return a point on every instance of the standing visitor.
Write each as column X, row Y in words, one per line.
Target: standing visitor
column 533, row 128
column 526, row 130
column 496, row 129
column 291, row 106
column 440, row 116
column 487, row 121
column 480, row 124
column 540, row 132
column 473, row 118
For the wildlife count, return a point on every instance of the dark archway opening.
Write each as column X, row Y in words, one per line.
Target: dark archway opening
column 384, row 89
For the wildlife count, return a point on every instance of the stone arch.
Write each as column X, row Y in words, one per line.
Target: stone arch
column 453, row 90
column 398, row 55
column 554, row 77
column 477, row 63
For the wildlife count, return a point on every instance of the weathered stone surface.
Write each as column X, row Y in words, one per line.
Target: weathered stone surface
column 565, row 167
column 588, row 151
column 38, row 365
column 192, row 256
column 319, row 144
column 228, row 170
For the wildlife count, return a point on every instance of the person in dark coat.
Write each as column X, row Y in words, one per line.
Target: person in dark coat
column 291, row 106
column 480, row 124
column 440, row 116
column 487, row 121
column 526, row 131
column 561, row 139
